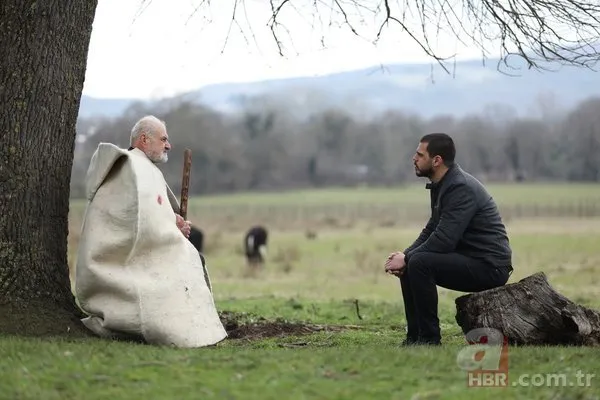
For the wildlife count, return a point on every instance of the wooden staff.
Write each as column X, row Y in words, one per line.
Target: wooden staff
column 185, row 183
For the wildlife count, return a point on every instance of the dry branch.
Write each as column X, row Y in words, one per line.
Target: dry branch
column 538, row 31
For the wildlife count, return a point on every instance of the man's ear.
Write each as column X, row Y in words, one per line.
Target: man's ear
column 437, row 161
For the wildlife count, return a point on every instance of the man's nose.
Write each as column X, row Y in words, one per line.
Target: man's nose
column 167, row 146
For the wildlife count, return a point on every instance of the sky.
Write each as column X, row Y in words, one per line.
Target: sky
column 152, row 49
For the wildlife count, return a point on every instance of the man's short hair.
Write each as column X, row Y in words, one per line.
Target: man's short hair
column 148, row 125
column 440, row 144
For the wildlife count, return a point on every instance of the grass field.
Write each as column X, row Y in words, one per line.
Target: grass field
column 380, row 207
column 320, row 278
column 409, row 194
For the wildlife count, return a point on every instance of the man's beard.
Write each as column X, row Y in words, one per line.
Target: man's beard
column 424, row 173
column 160, row 159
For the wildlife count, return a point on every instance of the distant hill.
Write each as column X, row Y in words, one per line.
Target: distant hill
column 91, row 106
column 421, row 88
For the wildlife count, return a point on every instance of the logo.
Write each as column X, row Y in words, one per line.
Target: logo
column 485, row 359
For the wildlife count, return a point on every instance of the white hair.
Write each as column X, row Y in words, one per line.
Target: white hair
column 148, row 125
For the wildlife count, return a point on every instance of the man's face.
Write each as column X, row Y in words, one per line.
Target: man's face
column 157, row 146
column 424, row 164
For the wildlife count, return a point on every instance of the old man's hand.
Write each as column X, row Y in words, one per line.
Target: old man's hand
column 183, row 225
column 395, row 264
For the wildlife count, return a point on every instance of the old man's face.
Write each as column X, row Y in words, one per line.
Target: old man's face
column 157, row 146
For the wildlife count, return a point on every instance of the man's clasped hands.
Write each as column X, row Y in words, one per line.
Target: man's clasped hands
column 395, row 264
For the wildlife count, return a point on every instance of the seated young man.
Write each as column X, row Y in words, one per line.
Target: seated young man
column 463, row 247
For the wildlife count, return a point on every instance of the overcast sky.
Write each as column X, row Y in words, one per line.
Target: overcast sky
column 162, row 47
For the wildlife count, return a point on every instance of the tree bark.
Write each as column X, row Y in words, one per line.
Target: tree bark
column 530, row 312
column 43, row 56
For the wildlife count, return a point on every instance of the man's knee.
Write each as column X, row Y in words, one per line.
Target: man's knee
column 419, row 261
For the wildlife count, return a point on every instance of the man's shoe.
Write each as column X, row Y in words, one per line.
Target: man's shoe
column 430, row 342
column 420, row 342
column 409, row 342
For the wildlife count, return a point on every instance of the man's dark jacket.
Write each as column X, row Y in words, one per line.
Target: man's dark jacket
column 464, row 219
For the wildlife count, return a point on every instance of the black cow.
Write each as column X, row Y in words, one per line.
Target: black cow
column 197, row 238
column 255, row 245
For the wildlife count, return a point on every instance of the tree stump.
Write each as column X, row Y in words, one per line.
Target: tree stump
column 530, row 312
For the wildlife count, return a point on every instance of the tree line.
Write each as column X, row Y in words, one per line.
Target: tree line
column 268, row 148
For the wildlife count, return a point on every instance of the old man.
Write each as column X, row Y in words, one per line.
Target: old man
column 137, row 274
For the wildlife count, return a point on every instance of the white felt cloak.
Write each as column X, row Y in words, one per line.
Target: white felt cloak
column 136, row 274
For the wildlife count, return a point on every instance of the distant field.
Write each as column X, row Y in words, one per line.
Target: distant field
column 509, row 193
column 359, row 225
column 526, row 193
column 399, row 206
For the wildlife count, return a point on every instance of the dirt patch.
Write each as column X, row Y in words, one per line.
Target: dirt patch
column 42, row 319
column 242, row 326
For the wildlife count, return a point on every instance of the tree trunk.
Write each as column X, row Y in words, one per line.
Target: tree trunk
column 43, row 55
column 530, row 312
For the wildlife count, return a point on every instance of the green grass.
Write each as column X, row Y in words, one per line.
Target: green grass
column 318, row 280
column 348, row 367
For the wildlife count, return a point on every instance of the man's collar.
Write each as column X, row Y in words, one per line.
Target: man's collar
column 433, row 185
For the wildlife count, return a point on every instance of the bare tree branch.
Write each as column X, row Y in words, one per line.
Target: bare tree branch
column 250, row 25
column 196, row 9
column 533, row 30
column 143, row 6
column 540, row 32
column 274, row 22
column 233, row 21
column 346, row 22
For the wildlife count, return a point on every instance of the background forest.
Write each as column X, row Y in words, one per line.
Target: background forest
column 262, row 146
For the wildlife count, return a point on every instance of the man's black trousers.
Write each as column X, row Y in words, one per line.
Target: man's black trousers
column 449, row 270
